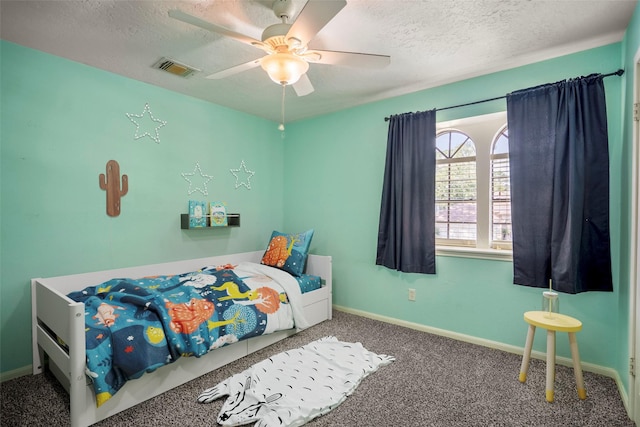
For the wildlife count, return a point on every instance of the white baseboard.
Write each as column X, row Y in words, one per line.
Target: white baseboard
column 565, row 361
column 20, row 372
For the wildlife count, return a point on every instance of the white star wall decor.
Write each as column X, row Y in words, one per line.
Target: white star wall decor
column 138, row 119
column 246, row 172
column 197, row 171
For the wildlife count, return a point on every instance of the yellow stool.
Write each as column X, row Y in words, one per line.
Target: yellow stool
column 553, row 322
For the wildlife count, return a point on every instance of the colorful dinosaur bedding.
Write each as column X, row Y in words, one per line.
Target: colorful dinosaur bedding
column 135, row 326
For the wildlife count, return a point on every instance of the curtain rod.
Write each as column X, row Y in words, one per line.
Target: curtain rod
column 615, row 73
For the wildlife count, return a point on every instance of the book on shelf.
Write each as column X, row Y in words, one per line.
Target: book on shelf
column 218, row 214
column 197, row 214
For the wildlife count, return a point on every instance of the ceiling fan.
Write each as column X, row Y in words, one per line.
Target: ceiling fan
column 288, row 55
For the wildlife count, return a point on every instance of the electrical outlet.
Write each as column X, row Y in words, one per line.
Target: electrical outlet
column 412, row 294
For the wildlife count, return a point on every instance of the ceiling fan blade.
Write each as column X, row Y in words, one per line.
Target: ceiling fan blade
column 312, row 18
column 350, row 59
column 235, row 70
column 303, row 86
column 198, row 22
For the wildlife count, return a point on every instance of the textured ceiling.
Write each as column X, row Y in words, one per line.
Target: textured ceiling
column 430, row 43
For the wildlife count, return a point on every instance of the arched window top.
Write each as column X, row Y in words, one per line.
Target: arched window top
column 452, row 144
column 501, row 142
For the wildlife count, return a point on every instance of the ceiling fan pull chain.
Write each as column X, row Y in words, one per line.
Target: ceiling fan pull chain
column 281, row 127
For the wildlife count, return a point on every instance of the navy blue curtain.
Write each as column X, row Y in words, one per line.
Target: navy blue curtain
column 406, row 234
column 559, row 164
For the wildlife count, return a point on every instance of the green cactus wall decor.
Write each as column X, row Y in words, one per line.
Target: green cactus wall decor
column 111, row 183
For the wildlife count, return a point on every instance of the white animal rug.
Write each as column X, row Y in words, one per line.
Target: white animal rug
column 295, row 386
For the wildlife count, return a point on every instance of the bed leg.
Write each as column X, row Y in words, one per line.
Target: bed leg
column 77, row 402
column 37, row 355
column 38, row 362
column 77, row 387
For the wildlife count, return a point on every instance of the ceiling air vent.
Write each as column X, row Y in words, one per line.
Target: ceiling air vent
column 174, row 67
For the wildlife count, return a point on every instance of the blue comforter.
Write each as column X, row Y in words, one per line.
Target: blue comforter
column 134, row 326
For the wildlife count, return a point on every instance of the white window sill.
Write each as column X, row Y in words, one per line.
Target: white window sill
column 466, row 252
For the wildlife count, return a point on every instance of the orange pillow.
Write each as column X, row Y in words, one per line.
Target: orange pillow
column 288, row 252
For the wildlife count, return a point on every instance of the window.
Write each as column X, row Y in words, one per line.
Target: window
column 456, row 189
column 500, row 192
column 473, row 195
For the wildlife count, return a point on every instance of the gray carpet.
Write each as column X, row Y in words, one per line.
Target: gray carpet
column 435, row 381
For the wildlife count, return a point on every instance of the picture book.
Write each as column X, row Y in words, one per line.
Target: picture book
column 197, row 214
column 218, row 214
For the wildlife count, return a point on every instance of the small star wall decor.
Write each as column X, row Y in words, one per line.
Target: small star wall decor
column 138, row 119
column 248, row 174
column 197, row 171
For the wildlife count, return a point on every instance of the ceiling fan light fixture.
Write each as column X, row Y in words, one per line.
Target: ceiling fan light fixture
column 284, row 68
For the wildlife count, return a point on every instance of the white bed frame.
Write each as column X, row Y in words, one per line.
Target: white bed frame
column 54, row 314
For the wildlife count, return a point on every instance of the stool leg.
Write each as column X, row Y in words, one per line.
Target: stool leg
column 551, row 364
column 526, row 356
column 577, row 368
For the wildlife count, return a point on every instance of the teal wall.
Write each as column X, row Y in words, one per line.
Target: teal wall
column 61, row 123
column 341, row 157
column 59, row 131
